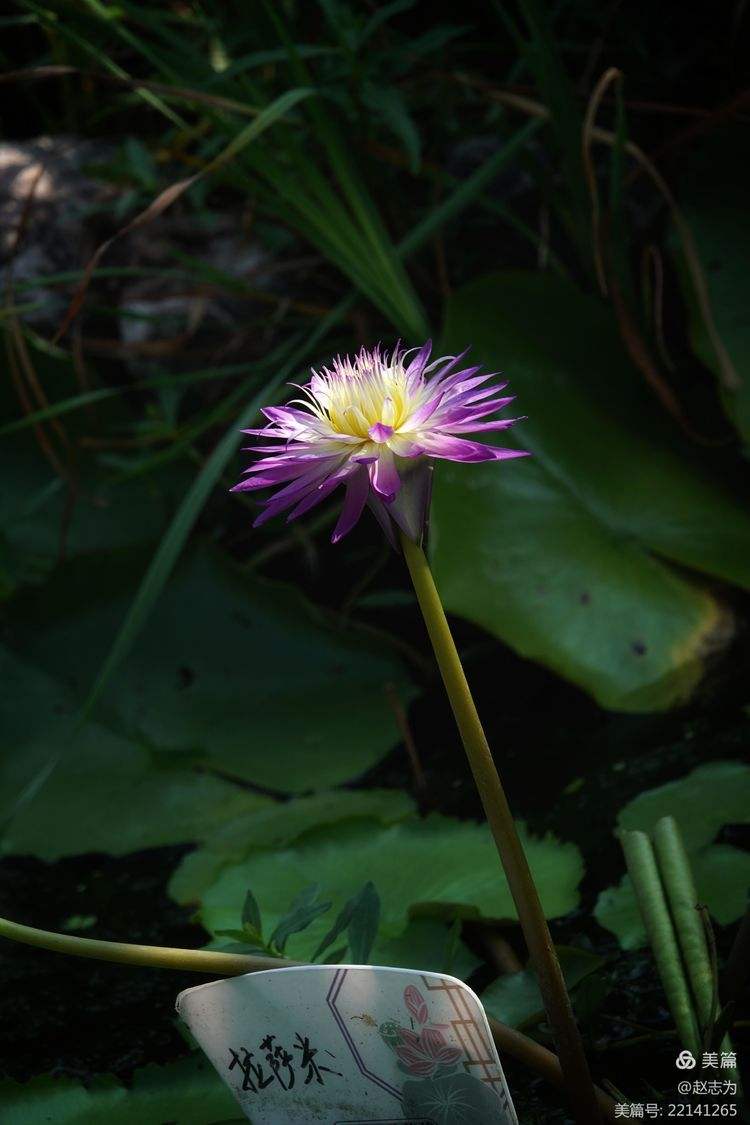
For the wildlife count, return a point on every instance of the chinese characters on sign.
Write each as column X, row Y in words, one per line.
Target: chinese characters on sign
column 280, row 1065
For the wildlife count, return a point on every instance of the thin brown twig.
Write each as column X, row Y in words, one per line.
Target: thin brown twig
column 727, row 371
column 404, row 726
column 653, row 267
column 589, row 123
column 710, row 120
column 19, row 360
column 182, row 93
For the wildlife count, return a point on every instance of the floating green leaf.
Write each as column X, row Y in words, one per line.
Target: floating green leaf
column 276, row 825
column 243, row 674
column 562, row 555
column 442, row 866
column 714, row 206
column 426, row 944
column 712, row 795
column 188, row 1092
column 515, row 998
column 110, row 792
column 701, row 802
column 48, row 519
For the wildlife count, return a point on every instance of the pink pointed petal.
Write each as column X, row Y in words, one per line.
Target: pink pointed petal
column 450, row 366
column 357, row 489
column 380, row 433
column 419, row 362
column 408, row 1037
column 459, row 449
column 433, row 1040
column 427, row 410
column 482, row 427
column 404, row 445
column 313, row 498
column 448, row 1055
column 383, row 476
column 464, row 380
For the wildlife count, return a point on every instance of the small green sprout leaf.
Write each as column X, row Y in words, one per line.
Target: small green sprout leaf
column 251, row 913
column 366, row 902
column 363, row 925
column 304, row 909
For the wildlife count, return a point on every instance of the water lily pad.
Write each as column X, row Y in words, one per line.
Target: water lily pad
column 515, row 998
column 701, row 802
column 278, row 824
column 188, row 1092
column 427, row 943
column 713, row 200
column 563, row 555
column 43, row 522
column 108, row 792
column 243, row 674
column 721, row 233
column 443, row 866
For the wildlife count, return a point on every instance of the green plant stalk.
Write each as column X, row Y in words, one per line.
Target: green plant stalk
column 154, row 956
column 652, row 903
column 677, row 878
column 578, row 1082
column 508, row 1039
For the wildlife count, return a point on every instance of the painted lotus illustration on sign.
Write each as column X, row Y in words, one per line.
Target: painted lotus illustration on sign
column 438, row 1087
column 425, row 1053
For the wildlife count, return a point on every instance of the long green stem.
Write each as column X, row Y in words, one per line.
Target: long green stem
column 509, row 1040
column 154, row 956
column 578, row 1083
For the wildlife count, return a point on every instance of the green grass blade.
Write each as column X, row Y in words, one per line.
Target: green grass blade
column 468, row 190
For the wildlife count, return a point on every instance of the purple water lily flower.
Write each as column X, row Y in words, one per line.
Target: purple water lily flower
column 375, row 423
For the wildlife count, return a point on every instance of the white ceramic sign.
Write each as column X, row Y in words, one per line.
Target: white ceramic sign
column 350, row 1045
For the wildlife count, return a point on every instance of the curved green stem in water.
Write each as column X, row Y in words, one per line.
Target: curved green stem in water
column 532, row 1054
column 578, row 1083
column 155, row 956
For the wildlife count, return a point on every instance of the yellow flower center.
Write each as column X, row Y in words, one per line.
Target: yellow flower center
column 365, row 397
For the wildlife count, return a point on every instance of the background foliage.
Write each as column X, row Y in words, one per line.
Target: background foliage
column 200, row 202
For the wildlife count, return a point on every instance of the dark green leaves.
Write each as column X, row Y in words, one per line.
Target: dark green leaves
column 251, row 912
column 359, row 917
column 718, row 221
column 515, row 998
column 243, row 674
column 437, row 867
column 701, row 802
column 305, row 908
column 188, row 1092
column 562, row 555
